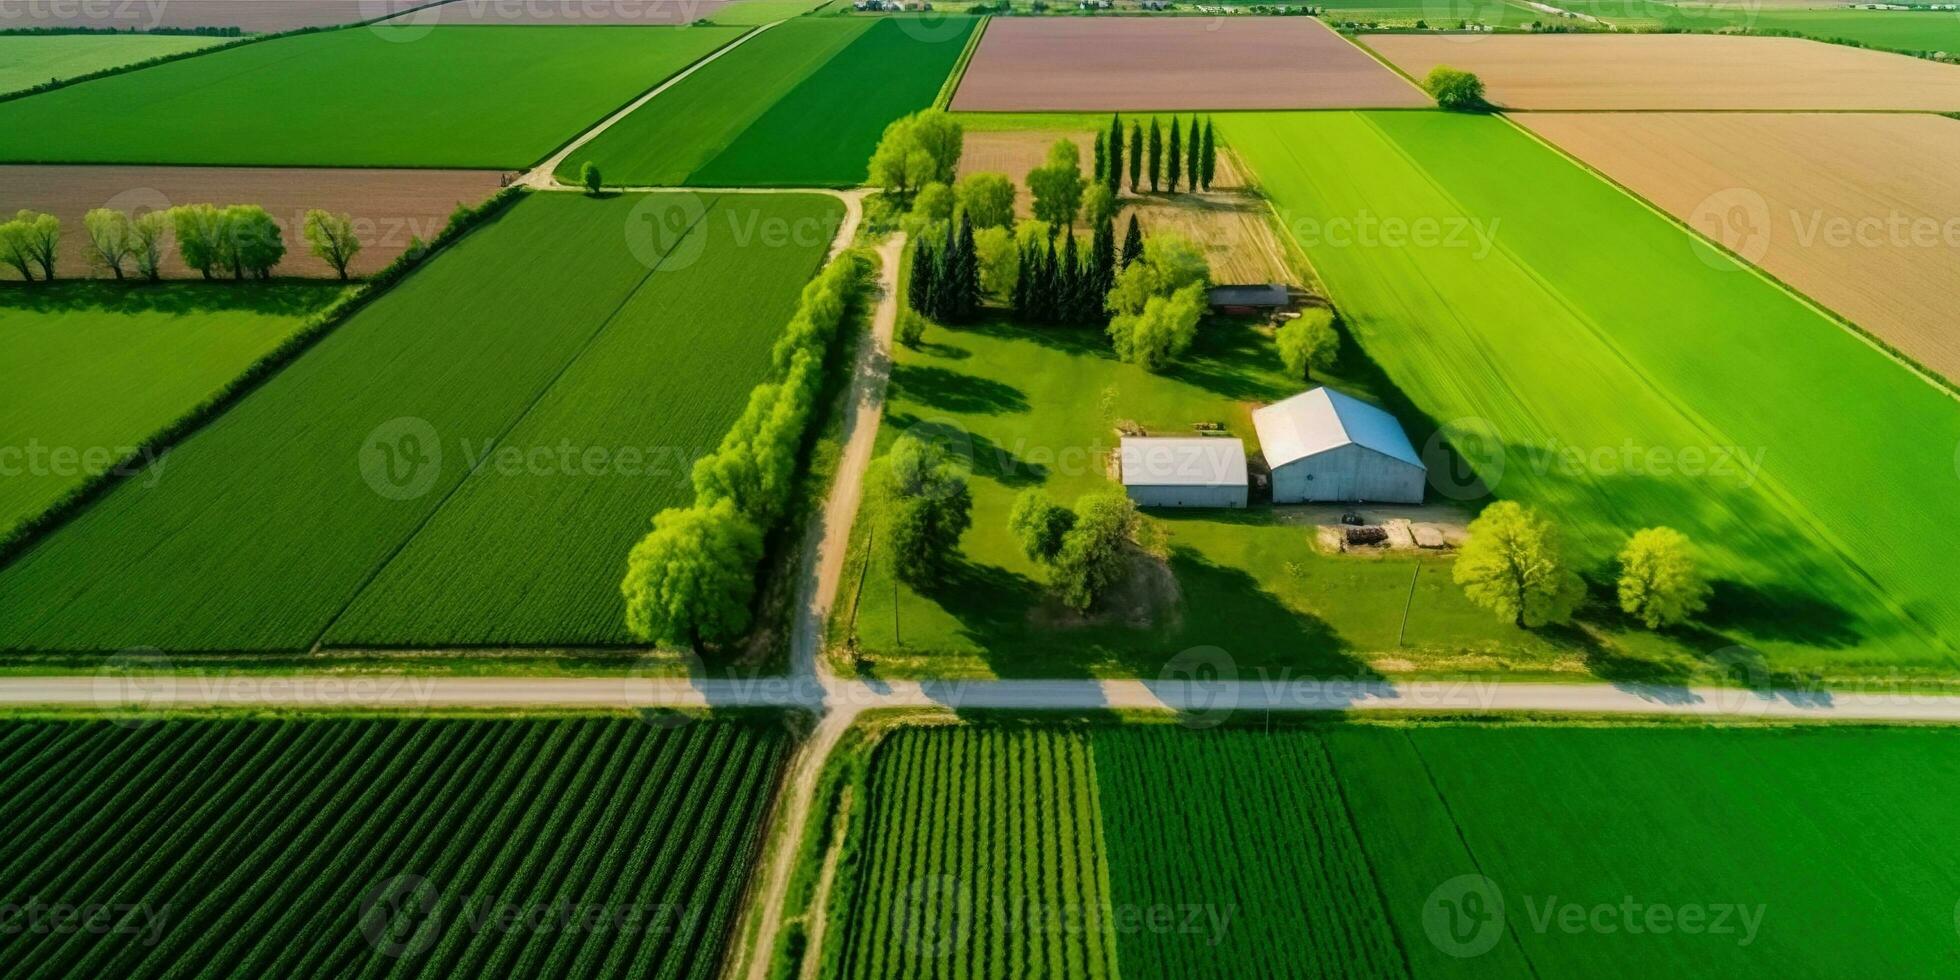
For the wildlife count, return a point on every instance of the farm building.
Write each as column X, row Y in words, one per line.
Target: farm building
column 1326, row 446
column 1250, row 300
column 1166, row 472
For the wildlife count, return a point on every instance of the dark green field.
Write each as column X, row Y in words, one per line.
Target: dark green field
column 421, row 848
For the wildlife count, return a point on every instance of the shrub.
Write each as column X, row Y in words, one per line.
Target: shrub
column 911, row 327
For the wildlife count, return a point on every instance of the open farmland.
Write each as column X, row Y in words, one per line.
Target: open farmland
column 768, row 113
column 1858, row 212
column 463, row 97
column 641, row 12
column 92, row 370
column 250, row 16
column 1678, row 71
column 272, row 518
column 1911, row 31
column 1651, row 382
column 30, row 60
column 610, row 444
column 389, row 208
column 1127, row 63
column 417, row 847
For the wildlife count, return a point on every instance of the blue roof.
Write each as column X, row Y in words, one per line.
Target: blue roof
column 1319, row 419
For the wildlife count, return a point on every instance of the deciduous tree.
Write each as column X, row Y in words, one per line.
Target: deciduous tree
column 1309, row 343
column 1512, row 565
column 109, row 239
column 1040, row 525
column 1660, row 581
column 988, row 198
column 1157, row 335
column 927, row 507
column 589, row 176
column 331, row 239
column 1091, row 557
column 1057, row 185
column 1456, row 90
column 690, row 581
column 146, row 243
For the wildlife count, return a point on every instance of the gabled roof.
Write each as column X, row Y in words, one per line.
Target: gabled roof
column 1183, row 462
column 1267, row 294
column 1317, row 420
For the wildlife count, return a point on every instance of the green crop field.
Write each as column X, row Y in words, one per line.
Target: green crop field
column 27, row 60
column 372, row 848
column 774, row 111
column 748, row 13
column 1341, row 849
column 652, row 393
column 1640, row 380
column 502, row 96
column 93, row 369
column 1911, row 31
column 270, row 520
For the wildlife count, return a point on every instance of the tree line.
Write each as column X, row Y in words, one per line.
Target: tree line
column 239, row 240
column 1515, row 565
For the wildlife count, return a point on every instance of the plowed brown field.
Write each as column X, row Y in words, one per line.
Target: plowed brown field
column 1678, row 71
column 1167, row 63
column 1859, row 212
column 388, row 206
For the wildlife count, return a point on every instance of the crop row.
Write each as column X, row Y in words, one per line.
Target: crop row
column 385, row 847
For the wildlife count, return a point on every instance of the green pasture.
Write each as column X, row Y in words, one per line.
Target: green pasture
column 465, row 96
column 92, row 369
column 1630, row 377
column 749, row 13
column 801, row 104
column 27, row 60
column 1911, row 31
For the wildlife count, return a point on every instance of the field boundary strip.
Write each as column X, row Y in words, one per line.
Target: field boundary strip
column 1944, row 385
column 951, row 86
column 517, row 417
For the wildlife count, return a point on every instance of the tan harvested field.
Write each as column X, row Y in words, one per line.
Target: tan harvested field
column 1174, row 63
column 251, row 16
column 643, row 12
column 1235, row 227
column 1859, row 212
column 389, row 207
column 1678, row 71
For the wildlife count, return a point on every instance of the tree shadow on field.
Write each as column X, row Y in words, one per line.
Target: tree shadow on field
column 1230, row 359
column 955, row 391
column 1228, row 608
column 1778, row 612
column 280, row 297
column 985, row 456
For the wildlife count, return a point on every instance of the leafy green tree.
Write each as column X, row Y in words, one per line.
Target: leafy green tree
column 1136, row 158
column 146, row 243
column 988, row 198
column 940, row 134
column 1091, row 557
column 14, row 249
column 199, row 229
column 331, row 239
column 1040, row 525
column 256, row 243
column 35, row 238
column 1660, row 581
column 1132, row 243
column 1156, row 154
column 1098, row 204
column 927, row 507
column 915, row 150
column 1309, row 343
column 1113, row 175
column 1000, row 261
column 1057, row 186
column 691, row 579
column 1209, row 150
column 911, row 328
column 1162, row 331
column 1169, row 262
column 1456, row 90
column 109, row 239
column 1512, row 565
column 934, row 202
column 588, row 175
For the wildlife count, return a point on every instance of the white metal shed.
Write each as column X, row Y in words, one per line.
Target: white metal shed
column 1325, row 446
column 1184, row 472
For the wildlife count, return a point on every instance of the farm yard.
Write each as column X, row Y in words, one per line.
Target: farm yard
column 1789, row 192
column 1161, row 64
column 372, row 847
column 481, row 97
column 389, row 208
column 767, row 114
column 514, row 332
column 27, row 60
column 1600, row 72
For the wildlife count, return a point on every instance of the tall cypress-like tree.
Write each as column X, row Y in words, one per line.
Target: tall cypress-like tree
column 925, row 279
column 1102, row 158
column 1136, row 158
column 1019, row 298
column 1173, row 158
column 1212, row 155
column 966, row 273
column 1072, row 285
column 1132, row 243
column 1193, row 159
column 1048, row 307
column 1156, row 153
column 1114, row 179
column 1102, row 267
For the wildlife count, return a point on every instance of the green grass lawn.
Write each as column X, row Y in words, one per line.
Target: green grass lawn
column 405, row 846
column 91, row 369
column 802, row 104
column 27, row 60
column 1606, row 382
column 269, row 521
column 1039, row 407
column 652, row 393
column 1340, row 849
column 468, row 96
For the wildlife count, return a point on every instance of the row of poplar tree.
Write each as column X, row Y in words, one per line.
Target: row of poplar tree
column 1187, row 154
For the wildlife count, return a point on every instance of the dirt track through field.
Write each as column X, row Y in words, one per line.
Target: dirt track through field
column 1166, row 63
column 1859, row 212
column 389, row 207
column 251, row 16
column 1678, row 71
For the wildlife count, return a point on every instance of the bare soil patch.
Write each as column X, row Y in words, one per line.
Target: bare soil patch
column 389, row 207
column 1678, row 71
column 1234, row 226
column 1859, row 212
column 1174, row 63
column 251, row 16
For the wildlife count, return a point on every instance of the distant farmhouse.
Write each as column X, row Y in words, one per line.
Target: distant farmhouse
column 1184, row 472
column 1250, row 300
column 1323, row 446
